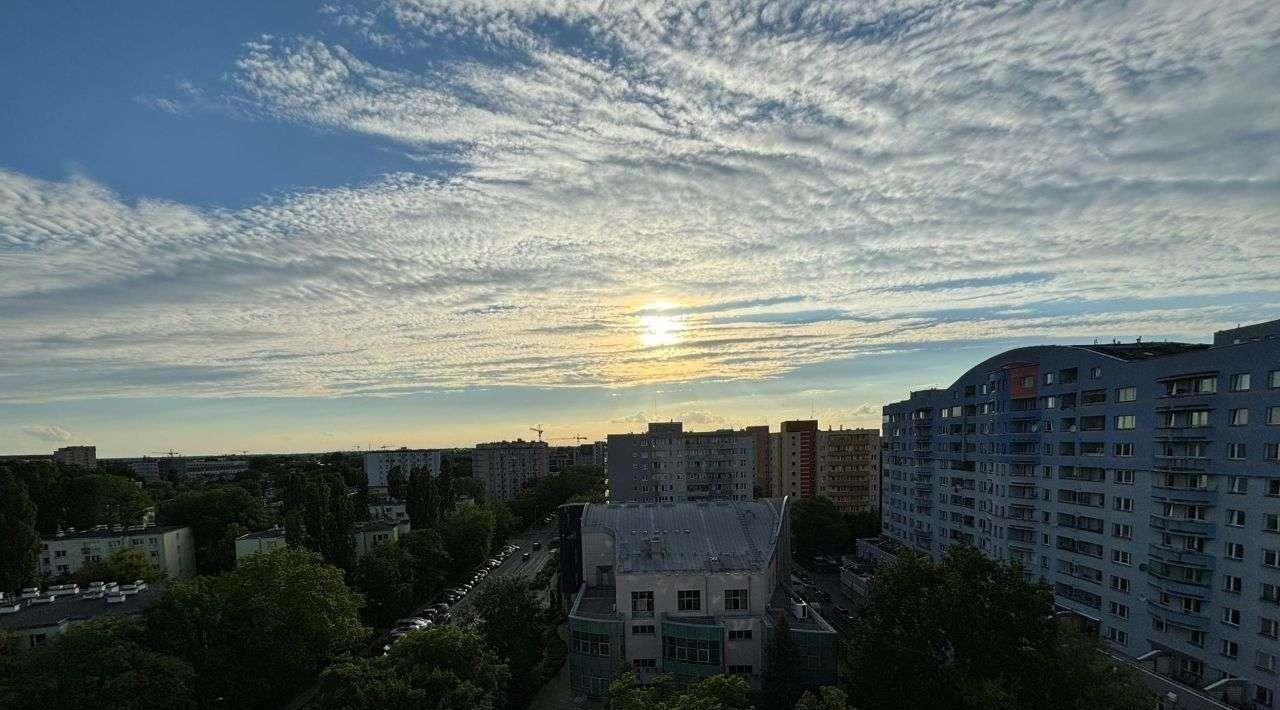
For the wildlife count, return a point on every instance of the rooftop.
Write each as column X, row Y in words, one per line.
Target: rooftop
column 597, row 603
column 263, row 534
column 1130, row 352
column 110, row 531
column 51, row 608
column 714, row 536
column 376, row 525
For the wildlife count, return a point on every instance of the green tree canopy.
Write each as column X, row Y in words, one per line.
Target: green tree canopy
column 818, row 528
column 385, row 577
column 510, row 617
column 100, row 663
column 126, row 565
column 431, row 562
column 721, row 692
column 213, row 514
column 441, row 668
column 19, row 564
column 467, row 535
column 968, row 632
column 256, row 634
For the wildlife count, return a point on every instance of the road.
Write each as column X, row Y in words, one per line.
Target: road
column 830, row 583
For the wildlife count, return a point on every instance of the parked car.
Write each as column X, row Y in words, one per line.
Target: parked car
column 537, row 545
column 416, row 622
column 525, row 557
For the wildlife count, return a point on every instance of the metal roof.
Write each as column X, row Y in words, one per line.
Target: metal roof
column 713, row 536
column 78, row 607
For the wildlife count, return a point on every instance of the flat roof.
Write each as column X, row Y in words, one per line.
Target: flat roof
column 126, row 531
column 76, row 608
column 1143, row 351
column 263, row 534
column 710, row 536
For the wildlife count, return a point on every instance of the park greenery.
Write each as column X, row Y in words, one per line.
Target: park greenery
column 818, row 527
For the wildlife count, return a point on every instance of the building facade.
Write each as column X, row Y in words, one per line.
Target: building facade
column 37, row 616
column 83, row 456
column 172, row 548
column 367, row 535
column 378, row 465
column 506, row 468
column 795, row 459
column 847, row 468
column 692, row 589
column 667, row 464
column 1141, row 481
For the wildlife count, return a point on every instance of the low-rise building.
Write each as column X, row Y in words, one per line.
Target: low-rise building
column 172, row 548
column 394, row 511
column 692, row 589
column 37, row 616
column 367, row 536
column 83, row 456
column 260, row 541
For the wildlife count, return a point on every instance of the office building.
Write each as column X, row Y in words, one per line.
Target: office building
column 692, row 589
column 172, row 548
column 1140, row 480
column 847, row 468
column 506, row 468
column 378, row 465
column 667, row 464
column 82, row 456
column 37, row 616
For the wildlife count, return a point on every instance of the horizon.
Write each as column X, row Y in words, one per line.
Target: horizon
column 298, row 227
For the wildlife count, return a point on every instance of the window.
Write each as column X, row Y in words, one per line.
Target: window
column 1263, row 696
column 1124, row 505
column 1121, row 557
column 1270, row 593
column 1273, row 379
column 1237, row 484
column 1230, row 649
column 1093, row 397
column 1049, row 378
column 1273, row 415
column 1117, row 635
column 1127, row 394
column 1269, row 627
column 739, row 634
column 590, row 644
column 1095, row 373
column 704, row 651
column 1273, row 487
column 642, row 630
column 1126, row 421
column 689, row 600
column 1028, row 382
column 1232, row 583
column 1271, row 523
column 1120, row 584
column 1239, row 417
column 1230, row 616
column 1236, row 452
column 642, row 604
column 1123, row 530
column 1272, row 452
column 1266, row 662
column 644, row 664
column 1271, row 558
column 1196, row 638
column 736, row 600
column 1235, row 551
column 1124, row 450
column 1118, row 609
column 742, row 670
column 1235, row 518
column 1240, row 382
column 1123, row 475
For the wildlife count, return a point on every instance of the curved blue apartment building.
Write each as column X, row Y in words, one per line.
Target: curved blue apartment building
column 1140, row 480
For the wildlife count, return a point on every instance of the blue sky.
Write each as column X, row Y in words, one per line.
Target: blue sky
column 299, row 226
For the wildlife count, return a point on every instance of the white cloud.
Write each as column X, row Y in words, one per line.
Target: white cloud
column 811, row 181
column 48, row 432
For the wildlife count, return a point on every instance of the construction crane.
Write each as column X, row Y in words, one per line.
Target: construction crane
column 538, row 429
column 574, row 438
column 171, row 452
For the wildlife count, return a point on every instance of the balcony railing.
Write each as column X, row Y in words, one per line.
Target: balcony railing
column 1184, row 525
column 1201, row 496
column 1177, row 617
column 1189, row 558
column 1180, row 463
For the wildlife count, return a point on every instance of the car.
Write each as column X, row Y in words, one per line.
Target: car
column 414, row 622
column 525, row 557
column 440, row 608
column 537, row 545
column 494, row 563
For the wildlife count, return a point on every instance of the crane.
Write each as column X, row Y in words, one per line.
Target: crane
column 538, row 429
column 579, row 437
column 171, row 452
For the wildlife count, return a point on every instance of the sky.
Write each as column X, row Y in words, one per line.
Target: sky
column 301, row 226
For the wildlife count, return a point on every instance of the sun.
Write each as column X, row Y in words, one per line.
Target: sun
column 658, row 329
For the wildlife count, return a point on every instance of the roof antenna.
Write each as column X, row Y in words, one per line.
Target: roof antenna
column 1139, row 338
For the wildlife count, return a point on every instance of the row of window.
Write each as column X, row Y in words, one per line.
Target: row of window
column 689, row 600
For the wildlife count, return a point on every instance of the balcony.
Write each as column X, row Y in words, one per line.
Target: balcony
column 1187, row 558
column 1184, row 433
column 1180, row 463
column 1177, row 617
column 1174, row 494
column 1181, row 587
column 1186, row 526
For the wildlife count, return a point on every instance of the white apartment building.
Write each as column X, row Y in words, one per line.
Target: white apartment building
column 378, row 465
column 367, row 536
column 172, row 548
column 667, row 464
column 506, row 468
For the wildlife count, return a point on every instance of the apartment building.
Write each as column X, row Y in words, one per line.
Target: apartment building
column 561, row 457
column 83, row 456
column 763, row 482
column 1140, row 480
column 506, row 468
column 367, row 535
column 172, row 548
column 692, row 589
column 36, row 616
column 795, row 459
column 378, row 465
column 847, row 468
column 668, row 464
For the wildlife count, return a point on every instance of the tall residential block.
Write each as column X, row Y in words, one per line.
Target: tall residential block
column 1140, row 480
column 848, row 468
column 795, row 459
column 83, row 456
column 667, row 464
column 506, row 468
column 378, row 465
column 688, row 589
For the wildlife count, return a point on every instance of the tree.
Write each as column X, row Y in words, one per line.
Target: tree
column 385, row 577
column 720, row 692
column 862, row 524
column 319, row 515
column 431, row 562
column 441, row 668
column 256, row 634
column 18, row 564
column 97, row 499
column 397, row 483
column 817, row 528
column 467, row 535
column 100, row 663
column 782, row 686
column 510, row 624
column 914, row 643
column 828, row 698
column 211, row 514
column 126, row 565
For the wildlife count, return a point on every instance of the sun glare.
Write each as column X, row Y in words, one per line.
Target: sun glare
column 658, row 329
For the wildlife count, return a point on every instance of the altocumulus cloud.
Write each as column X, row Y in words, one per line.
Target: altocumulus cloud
column 808, row 181
column 47, row 432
